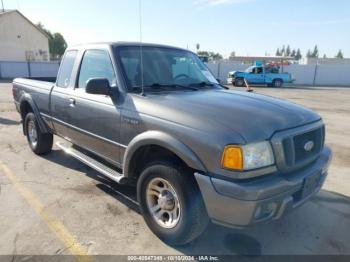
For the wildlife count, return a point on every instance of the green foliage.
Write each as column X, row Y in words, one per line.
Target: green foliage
column 298, row 55
column 288, row 51
column 294, row 53
column 232, row 55
column 309, row 54
column 203, row 53
column 340, row 55
column 278, row 52
column 57, row 43
column 212, row 55
column 215, row 56
column 283, row 51
column 315, row 53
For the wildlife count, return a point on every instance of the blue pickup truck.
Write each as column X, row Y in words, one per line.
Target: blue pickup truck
column 259, row 75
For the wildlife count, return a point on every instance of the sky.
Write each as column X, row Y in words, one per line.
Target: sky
column 248, row 27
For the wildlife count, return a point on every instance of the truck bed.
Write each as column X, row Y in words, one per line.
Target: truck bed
column 38, row 89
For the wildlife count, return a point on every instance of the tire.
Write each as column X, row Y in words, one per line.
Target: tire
column 277, row 83
column 190, row 218
column 239, row 82
column 39, row 142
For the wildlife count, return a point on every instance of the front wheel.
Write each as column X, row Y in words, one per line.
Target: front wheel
column 239, row 82
column 171, row 203
column 39, row 142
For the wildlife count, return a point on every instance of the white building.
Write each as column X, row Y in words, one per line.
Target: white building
column 20, row 39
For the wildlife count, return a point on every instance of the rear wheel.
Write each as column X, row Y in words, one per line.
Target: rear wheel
column 171, row 203
column 277, row 83
column 39, row 142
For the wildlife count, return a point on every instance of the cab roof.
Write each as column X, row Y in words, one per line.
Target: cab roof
column 117, row 44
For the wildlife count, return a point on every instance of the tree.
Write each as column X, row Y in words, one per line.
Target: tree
column 294, row 53
column 215, row 56
column 315, row 53
column 308, row 54
column 57, row 43
column 288, row 51
column 340, row 55
column 283, row 51
column 198, row 46
column 232, row 55
column 324, row 56
column 278, row 52
column 203, row 53
column 57, row 46
column 298, row 55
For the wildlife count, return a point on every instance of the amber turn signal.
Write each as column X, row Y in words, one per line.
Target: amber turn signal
column 232, row 158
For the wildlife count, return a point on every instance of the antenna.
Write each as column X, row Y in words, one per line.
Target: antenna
column 141, row 47
column 3, row 8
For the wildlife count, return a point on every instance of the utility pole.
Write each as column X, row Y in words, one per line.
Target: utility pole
column 3, row 8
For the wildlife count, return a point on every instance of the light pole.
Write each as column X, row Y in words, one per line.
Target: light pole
column 3, row 8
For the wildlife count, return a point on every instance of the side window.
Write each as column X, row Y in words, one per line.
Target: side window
column 96, row 64
column 66, row 69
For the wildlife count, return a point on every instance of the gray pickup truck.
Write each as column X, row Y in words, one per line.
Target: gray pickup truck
column 154, row 117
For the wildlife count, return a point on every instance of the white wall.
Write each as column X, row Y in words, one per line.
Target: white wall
column 331, row 75
column 18, row 37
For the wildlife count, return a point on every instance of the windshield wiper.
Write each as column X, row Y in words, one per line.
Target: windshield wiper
column 172, row 86
column 202, row 84
column 161, row 87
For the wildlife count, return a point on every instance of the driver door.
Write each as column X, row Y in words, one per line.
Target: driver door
column 258, row 76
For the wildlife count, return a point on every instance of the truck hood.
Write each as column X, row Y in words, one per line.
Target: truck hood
column 255, row 117
column 232, row 73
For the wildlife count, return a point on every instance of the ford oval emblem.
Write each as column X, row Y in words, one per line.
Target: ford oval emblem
column 309, row 146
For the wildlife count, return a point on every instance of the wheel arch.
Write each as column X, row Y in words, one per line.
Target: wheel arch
column 27, row 105
column 277, row 79
column 167, row 146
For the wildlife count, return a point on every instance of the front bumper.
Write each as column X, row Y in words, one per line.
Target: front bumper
column 244, row 204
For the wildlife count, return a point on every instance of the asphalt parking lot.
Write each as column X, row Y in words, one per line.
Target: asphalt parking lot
column 56, row 205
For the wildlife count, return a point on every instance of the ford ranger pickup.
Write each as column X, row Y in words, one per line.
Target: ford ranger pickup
column 154, row 117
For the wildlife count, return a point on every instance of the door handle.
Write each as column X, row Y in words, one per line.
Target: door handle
column 72, row 102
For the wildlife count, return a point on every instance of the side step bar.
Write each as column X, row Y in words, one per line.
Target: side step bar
column 94, row 164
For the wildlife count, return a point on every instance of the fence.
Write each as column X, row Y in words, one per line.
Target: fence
column 313, row 75
column 317, row 75
column 10, row 69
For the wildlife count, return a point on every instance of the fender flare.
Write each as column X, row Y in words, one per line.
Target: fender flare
column 166, row 141
column 28, row 99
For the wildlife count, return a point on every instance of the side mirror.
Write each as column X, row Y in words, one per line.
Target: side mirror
column 98, row 86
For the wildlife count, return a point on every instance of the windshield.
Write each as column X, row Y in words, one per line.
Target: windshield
column 163, row 69
column 249, row 69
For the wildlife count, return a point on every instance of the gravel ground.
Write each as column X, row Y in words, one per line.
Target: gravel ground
column 43, row 195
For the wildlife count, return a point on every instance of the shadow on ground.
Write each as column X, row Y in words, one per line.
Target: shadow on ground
column 326, row 217
column 8, row 122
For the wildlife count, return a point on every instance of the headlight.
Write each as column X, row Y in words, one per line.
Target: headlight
column 247, row 157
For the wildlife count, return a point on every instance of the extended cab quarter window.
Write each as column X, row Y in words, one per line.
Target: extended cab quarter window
column 96, row 64
column 66, row 69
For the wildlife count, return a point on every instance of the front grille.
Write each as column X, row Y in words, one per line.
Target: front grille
column 292, row 147
column 300, row 141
